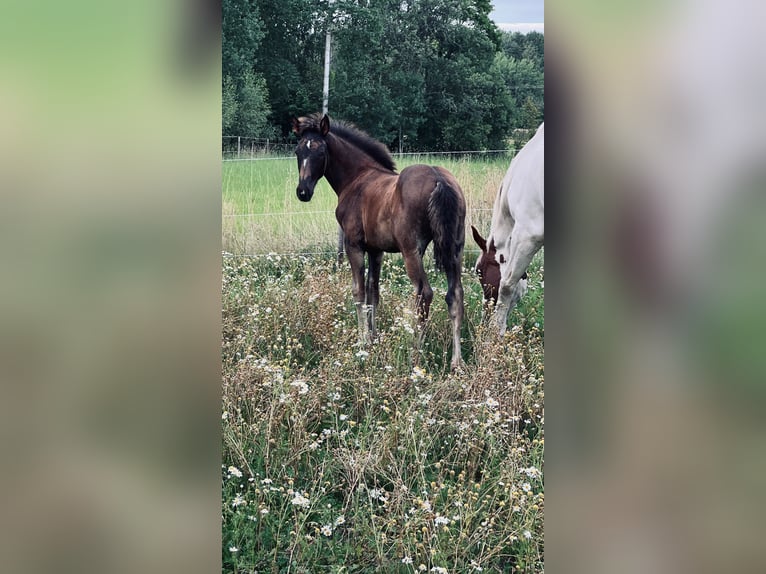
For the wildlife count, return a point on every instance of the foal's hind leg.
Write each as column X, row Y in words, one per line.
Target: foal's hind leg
column 454, row 300
column 413, row 262
column 523, row 247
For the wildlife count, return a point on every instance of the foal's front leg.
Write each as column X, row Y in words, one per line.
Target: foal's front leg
column 373, row 288
column 356, row 260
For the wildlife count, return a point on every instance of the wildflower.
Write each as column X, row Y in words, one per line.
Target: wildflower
column 224, row 415
column 300, row 500
column 526, row 487
column 441, row 520
column 406, row 560
column 476, row 566
column 264, row 511
column 362, row 354
column 527, row 534
column 422, row 567
column 238, row 501
column 418, row 374
column 343, row 417
column 340, row 520
column 439, row 570
column 234, row 471
column 492, row 403
column 303, row 388
column 266, row 481
column 233, row 549
column 326, row 530
column 531, row 472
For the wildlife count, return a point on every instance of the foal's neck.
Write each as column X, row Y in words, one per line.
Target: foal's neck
column 346, row 163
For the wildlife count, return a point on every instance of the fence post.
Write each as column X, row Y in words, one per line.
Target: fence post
column 239, row 144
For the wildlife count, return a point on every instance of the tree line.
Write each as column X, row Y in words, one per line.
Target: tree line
column 415, row 74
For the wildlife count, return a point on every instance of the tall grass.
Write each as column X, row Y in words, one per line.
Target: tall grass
column 262, row 214
column 360, row 459
column 341, row 458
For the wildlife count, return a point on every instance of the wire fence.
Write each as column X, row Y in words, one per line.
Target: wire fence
column 255, row 225
column 246, row 148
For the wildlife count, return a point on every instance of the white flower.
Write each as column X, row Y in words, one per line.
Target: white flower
column 224, row 415
column 362, row 354
column 234, row 471
column 531, row 472
column 492, row 403
column 527, row 534
column 266, row 481
column 418, row 374
column 340, row 520
column 238, row 501
column 233, row 549
column 303, row 388
column 406, row 560
column 300, row 500
column 439, row 570
column 441, row 520
column 343, row 417
column 326, row 530
column 264, row 511
column 526, row 487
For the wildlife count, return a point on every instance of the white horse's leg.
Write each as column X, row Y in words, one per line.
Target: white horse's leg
column 523, row 247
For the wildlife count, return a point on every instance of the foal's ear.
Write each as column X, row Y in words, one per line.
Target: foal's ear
column 296, row 126
column 480, row 241
column 324, row 125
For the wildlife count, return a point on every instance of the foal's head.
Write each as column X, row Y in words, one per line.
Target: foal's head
column 311, row 153
column 487, row 267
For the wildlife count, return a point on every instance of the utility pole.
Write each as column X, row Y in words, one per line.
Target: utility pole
column 325, row 107
column 326, row 85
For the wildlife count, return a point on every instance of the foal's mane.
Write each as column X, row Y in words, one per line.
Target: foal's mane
column 353, row 135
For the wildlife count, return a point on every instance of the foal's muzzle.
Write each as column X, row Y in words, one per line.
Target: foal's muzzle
column 305, row 191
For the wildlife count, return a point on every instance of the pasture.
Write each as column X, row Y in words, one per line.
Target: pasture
column 358, row 459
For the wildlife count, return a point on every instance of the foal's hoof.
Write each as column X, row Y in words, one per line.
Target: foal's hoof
column 458, row 366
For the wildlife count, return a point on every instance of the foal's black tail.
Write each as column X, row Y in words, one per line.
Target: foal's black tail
column 446, row 213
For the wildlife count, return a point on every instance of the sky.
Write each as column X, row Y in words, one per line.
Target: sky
column 519, row 15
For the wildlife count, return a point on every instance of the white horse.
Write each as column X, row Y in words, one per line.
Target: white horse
column 516, row 234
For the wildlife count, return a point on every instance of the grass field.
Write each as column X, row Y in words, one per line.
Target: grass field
column 360, row 459
column 261, row 213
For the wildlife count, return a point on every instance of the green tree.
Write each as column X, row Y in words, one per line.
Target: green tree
column 245, row 97
column 291, row 57
column 230, row 105
column 251, row 118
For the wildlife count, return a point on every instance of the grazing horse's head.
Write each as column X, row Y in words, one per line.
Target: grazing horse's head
column 311, row 153
column 487, row 267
